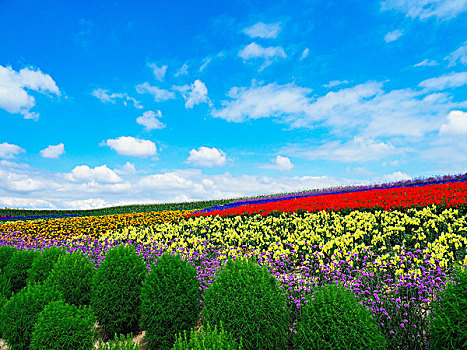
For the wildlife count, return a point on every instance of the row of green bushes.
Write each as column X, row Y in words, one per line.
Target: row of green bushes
column 52, row 300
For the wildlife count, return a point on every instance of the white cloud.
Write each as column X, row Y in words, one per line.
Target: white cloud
column 207, row 157
column 194, row 94
column 83, row 173
column 84, row 204
column 107, row 97
column 130, row 146
column 426, row 62
column 13, row 85
column 334, row 83
column 396, row 176
column 364, row 108
column 9, row 151
column 205, row 63
column 262, row 30
column 423, row 9
column 460, row 55
column 254, row 50
column 149, row 120
column 128, row 168
column 456, row 123
column 392, row 36
column 304, row 54
column 159, row 72
column 20, row 182
column 158, row 93
column 283, row 163
column 53, row 151
column 166, row 182
column 182, row 71
column 446, row 81
column 14, row 202
column 271, row 100
column 358, row 149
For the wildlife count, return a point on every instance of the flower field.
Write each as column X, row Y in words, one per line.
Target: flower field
column 396, row 257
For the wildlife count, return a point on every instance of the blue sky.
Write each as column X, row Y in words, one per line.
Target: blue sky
column 117, row 102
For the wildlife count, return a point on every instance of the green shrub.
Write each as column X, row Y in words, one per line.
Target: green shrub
column 72, row 275
column 116, row 291
column 169, row 302
column 6, row 253
column 209, row 339
column 120, row 343
column 5, row 294
column 20, row 314
column 335, row 320
column 17, row 268
column 449, row 324
column 43, row 263
column 246, row 298
column 62, row 326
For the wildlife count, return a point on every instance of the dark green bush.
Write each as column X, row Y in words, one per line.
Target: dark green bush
column 17, row 268
column 6, row 253
column 246, row 298
column 120, row 343
column 43, row 263
column 61, row 326
column 5, row 294
column 449, row 324
column 72, row 275
column 209, row 339
column 20, row 314
column 335, row 320
column 169, row 302
column 116, row 291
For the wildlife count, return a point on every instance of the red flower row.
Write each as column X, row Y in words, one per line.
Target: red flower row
column 449, row 194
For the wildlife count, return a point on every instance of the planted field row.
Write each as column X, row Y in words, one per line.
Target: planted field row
column 447, row 194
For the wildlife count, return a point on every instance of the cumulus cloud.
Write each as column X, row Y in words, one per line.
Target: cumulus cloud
column 83, row 173
column 166, row 182
column 158, row 93
column 254, row 50
column 149, row 120
column 53, row 151
column 9, row 151
column 365, row 108
column 15, row 88
column 130, row 146
column 460, row 55
column 392, row 36
column 451, row 80
column 159, row 72
column 106, row 96
column 423, row 9
column 396, row 176
column 456, row 123
column 426, row 62
column 194, row 94
column 182, row 71
column 127, row 169
column 281, row 163
column 20, row 182
column 263, row 30
column 207, row 157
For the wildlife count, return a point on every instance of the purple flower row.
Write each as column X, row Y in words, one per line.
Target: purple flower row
column 34, row 217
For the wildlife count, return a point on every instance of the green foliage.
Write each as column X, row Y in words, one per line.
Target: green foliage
column 120, row 343
column 116, row 291
column 169, row 302
column 17, row 268
column 6, row 253
column 246, row 298
column 20, row 314
column 62, row 326
column 449, row 325
column 335, row 320
column 43, row 264
column 72, row 275
column 209, row 339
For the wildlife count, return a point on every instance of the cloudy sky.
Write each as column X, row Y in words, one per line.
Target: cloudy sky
column 119, row 102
